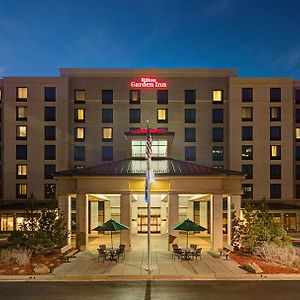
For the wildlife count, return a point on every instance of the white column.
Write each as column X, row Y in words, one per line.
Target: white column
column 216, row 221
column 236, row 204
column 94, row 215
column 229, row 215
column 107, row 211
column 81, row 222
column 203, row 214
column 190, row 210
column 173, row 217
column 125, row 219
column 163, row 217
column 282, row 220
column 134, row 217
column 64, row 206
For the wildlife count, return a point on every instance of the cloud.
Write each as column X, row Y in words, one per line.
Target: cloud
column 219, row 7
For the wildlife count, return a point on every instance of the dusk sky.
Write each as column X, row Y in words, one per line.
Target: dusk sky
column 259, row 38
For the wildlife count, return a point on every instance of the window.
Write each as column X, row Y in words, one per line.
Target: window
column 297, row 134
column 50, row 94
column 21, row 171
column 275, row 114
column 79, row 134
column 134, row 115
column 7, row 222
column 79, row 153
column 79, row 115
column 275, row 94
column 190, row 153
column 190, row 96
column 162, row 115
column 247, row 152
column 21, row 132
column 162, row 97
column 21, row 151
column 217, row 153
column 247, row 133
column 290, row 221
column 107, row 134
column 190, row 134
column 297, row 96
column 21, row 190
column 217, row 115
column 159, row 148
column 78, row 167
column 21, row 113
column 190, row 115
column 275, row 133
column 275, row 152
column 217, row 134
column 50, row 133
column 297, row 153
column 49, row 171
column 22, row 93
column 247, row 114
column 297, row 192
column 50, row 152
column 247, row 170
column 247, row 189
column 50, row 113
column 134, row 96
column 297, row 171
column 297, row 115
column 1, row 95
column 275, row 191
column 217, row 96
column 50, row 190
column 275, row 171
column 107, row 115
column 247, row 94
column 107, row 153
column 79, row 96
column 107, row 96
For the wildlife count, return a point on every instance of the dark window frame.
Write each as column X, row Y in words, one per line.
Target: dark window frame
column 190, row 153
column 107, row 115
column 247, row 133
column 247, row 94
column 50, row 113
column 49, row 96
column 275, row 133
column 190, row 96
column 190, row 119
column 50, row 152
column 107, row 96
column 275, row 171
column 162, row 96
column 275, row 191
column 105, row 156
column 134, row 118
column 274, row 96
column 50, row 133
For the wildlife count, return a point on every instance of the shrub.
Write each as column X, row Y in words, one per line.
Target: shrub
column 15, row 256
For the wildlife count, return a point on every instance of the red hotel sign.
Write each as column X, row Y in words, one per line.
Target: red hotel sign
column 148, row 82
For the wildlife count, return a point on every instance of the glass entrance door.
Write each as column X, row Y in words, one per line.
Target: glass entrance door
column 154, row 221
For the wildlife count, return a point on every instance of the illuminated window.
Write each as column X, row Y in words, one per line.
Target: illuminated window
column 79, row 95
column 277, row 219
column 217, row 96
column 162, row 115
column 19, row 221
column 190, row 96
column 50, row 190
column 247, row 170
column 21, row 93
column 21, row 171
column 247, row 113
column 21, row 190
column 21, row 132
column 275, row 113
column 218, row 153
column 290, row 221
column 107, row 115
column 247, row 152
column 50, row 94
column 275, row 152
column 247, row 133
column 247, row 189
column 50, row 113
column 275, row 133
column 79, row 115
column 107, row 96
column 297, row 132
column 275, row 171
column 275, row 94
column 275, row 191
column 49, row 171
column 247, row 94
column 107, row 134
column 50, row 133
column 162, row 97
column 79, row 134
column 7, row 222
column 21, row 113
column 135, row 96
column 159, row 148
column 79, row 153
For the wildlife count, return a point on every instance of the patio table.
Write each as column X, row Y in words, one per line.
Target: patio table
column 113, row 255
column 187, row 253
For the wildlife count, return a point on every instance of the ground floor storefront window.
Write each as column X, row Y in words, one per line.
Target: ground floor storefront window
column 7, row 222
column 290, row 221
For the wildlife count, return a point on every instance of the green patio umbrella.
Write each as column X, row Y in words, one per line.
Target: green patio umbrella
column 187, row 225
column 111, row 225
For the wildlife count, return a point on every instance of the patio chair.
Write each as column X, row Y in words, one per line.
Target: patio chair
column 176, row 252
column 103, row 254
column 198, row 253
column 193, row 246
column 121, row 251
column 103, row 247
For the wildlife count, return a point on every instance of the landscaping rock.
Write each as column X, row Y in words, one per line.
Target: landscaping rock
column 41, row 269
column 252, row 268
column 52, row 265
column 21, row 272
column 16, row 269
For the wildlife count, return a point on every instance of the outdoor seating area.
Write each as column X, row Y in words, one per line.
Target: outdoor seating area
column 105, row 254
column 189, row 253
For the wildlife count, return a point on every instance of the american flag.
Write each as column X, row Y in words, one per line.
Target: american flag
column 148, row 153
column 150, row 177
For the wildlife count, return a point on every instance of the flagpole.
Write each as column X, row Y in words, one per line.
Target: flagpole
column 148, row 209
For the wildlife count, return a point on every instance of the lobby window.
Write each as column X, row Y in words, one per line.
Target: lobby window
column 49, row 171
column 21, row 171
column 134, row 96
column 297, row 115
column 79, row 96
column 50, row 113
column 247, row 114
column 247, row 170
column 247, row 189
column 190, row 134
column 50, row 94
column 50, row 133
column 217, row 153
column 107, row 96
column 21, row 132
column 275, row 94
column 297, row 96
column 50, row 190
column 107, row 134
column 297, row 134
column 107, row 153
column 190, row 115
column 21, row 151
column 50, row 152
column 247, row 133
column 275, row 114
column 162, row 115
column 217, row 115
column 162, row 97
column 217, row 134
column 275, row 191
column 159, row 148
column 275, row 171
column 21, row 113
column 217, row 96
column 297, row 172
column 275, row 152
column 79, row 134
column 190, row 96
column 190, row 153
column 79, row 153
column 290, row 221
column 247, row 94
column 7, row 222
column 247, row 152
column 275, row 133
column 79, row 115
column 22, row 93
column 21, row 190
column 134, row 115
column 107, row 115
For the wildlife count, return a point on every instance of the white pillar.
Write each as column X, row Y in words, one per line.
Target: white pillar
column 107, row 211
column 173, row 217
column 134, row 217
column 94, row 222
column 236, row 204
column 163, row 217
column 125, row 219
column 203, row 214
column 64, row 205
column 81, row 222
column 216, row 221
column 190, row 210
column 229, row 216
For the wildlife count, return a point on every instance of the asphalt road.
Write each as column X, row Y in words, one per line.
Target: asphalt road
column 164, row 290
